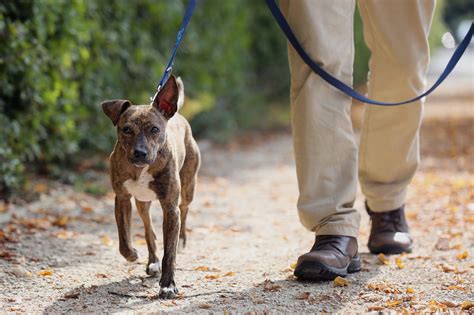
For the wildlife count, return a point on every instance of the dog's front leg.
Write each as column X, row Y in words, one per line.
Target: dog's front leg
column 123, row 216
column 153, row 267
column 171, row 225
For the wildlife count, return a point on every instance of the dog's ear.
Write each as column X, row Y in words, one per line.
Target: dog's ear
column 115, row 108
column 167, row 99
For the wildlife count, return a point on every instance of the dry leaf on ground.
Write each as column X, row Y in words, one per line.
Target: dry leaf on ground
column 462, row 256
column 383, row 259
column 467, row 305
column 106, row 240
column 40, row 188
column 269, row 286
column 45, row 272
column 61, row 221
column 340, row 282
column 202, row 268
column 204, row 306
column 400, row 263
column 393, row 303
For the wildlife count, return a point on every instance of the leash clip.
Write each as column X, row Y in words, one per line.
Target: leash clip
column 165, row 77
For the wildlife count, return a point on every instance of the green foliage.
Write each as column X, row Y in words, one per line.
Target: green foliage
column 60, row 58
column 457, row 10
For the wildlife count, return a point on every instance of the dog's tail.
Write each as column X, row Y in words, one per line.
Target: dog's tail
column 180, row 84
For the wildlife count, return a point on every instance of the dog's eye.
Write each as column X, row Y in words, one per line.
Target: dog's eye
column 155, row 130
column 127, row 130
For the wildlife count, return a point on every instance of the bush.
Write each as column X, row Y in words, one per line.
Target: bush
column 60, row 58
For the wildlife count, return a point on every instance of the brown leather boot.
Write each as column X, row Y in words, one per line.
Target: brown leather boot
column 330, row 256
column 389, row 233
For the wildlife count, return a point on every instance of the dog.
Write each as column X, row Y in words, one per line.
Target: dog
column 155, row 158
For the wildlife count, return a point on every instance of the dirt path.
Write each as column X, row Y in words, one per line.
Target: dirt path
column 60, row 253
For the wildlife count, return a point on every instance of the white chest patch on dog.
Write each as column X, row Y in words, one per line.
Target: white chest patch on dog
column 140, row 188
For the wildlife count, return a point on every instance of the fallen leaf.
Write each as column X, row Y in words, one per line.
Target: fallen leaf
column 169, row 303
column 435, row 305
column 64, row 235
column 71, row 295
column 340, row 282
column 3, row 207
column 447, row 267
column 45, row 273
column 399, row 263
column 34, row 223
column 61, row 221
column 458, row 246
column 269, row 286
column 40, row 188
column 212, row 277
column 202, row 268
column 6, row 255
column 392, row 303
column 102, row 275
column 229, row 274
column 383, row 287
column 467, row 305
column 456, row 287
column 106, row 240
column 420, row 257
column 87, row 209
column 449, row 304
column 383, row 259
column 204, row 306
column 410, row 290
column 293, row 265
column 303, row 296
column 456, row 234
column 462, row 256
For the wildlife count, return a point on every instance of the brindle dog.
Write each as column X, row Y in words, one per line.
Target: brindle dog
column 155, row 157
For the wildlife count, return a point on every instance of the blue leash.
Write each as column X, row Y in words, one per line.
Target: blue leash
column 341, row 86
column 179, row 37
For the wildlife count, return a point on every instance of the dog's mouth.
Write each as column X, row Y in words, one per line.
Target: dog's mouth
column 140, row 164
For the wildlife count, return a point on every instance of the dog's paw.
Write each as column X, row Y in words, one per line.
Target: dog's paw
column 153, row 269
column 168, row 292
column 130, row 255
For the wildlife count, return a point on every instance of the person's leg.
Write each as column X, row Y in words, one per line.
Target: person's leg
column 396, row 33
column 324, row 144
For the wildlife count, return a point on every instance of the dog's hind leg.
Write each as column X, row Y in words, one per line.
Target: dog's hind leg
column 188, row 176
column 187, row 194
column 153, row 267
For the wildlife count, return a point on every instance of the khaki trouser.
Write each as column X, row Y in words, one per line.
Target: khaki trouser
column 326, row 153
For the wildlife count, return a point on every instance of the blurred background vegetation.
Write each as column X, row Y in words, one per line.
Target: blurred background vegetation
column 60, row 58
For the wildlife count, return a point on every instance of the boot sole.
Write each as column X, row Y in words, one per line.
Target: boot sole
column 389, row 250
column 309, row 270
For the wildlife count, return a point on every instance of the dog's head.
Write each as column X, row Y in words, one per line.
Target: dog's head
column 141, row 128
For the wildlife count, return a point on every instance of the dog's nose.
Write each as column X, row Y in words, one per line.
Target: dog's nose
column 139, row 154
